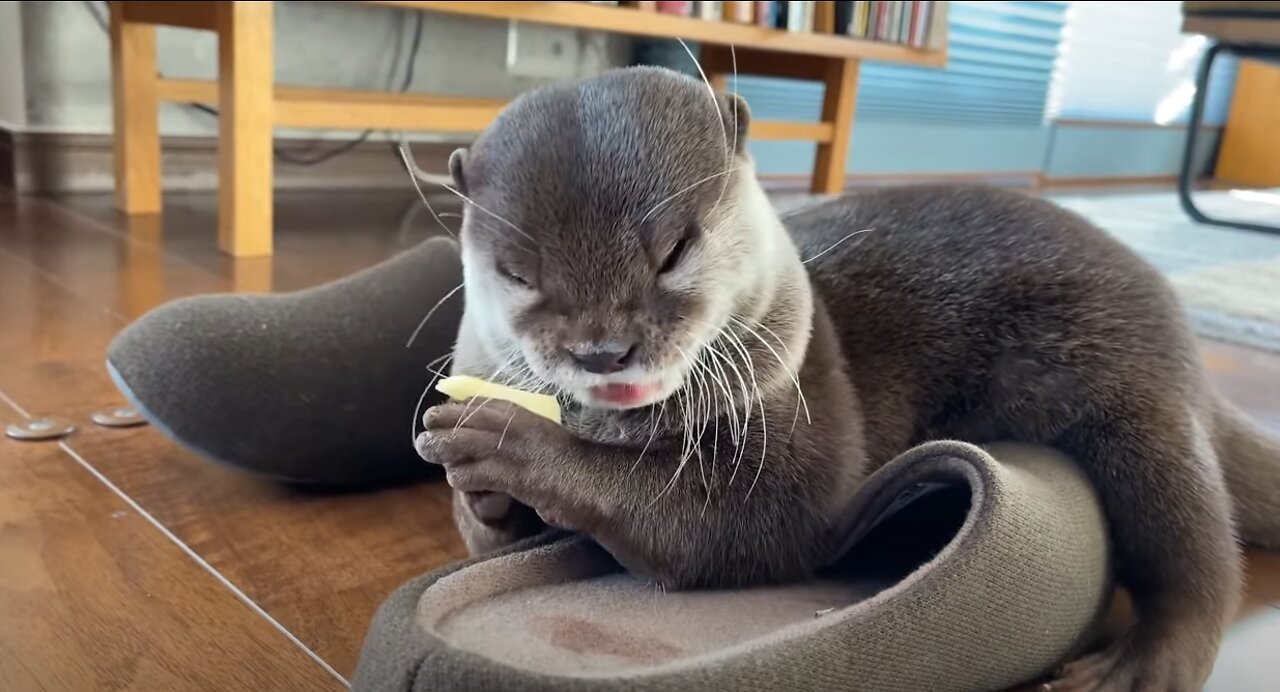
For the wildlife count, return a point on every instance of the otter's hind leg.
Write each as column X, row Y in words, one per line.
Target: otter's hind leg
column 1174, row 548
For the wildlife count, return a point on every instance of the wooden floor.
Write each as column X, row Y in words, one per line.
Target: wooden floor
column 128, row 563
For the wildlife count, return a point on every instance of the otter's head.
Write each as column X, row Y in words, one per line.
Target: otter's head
column 615, row 228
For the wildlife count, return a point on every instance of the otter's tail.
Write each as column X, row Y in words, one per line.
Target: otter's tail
column 1250, row 458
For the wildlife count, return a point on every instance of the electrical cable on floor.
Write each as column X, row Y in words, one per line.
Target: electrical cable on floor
column 293, row 159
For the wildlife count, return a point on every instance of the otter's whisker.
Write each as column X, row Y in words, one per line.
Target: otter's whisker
column 714, row 415
column 704, row 413
column 431, row 312
column 764, row 430
column 787, row 351
column 413, row 169
column 764, row 450
column 417, row 409
column 523, row 377
column 730, row 152
column 467, row 413
column 722, row 333
column 786, row 368
column 686, row 392
column 687, row 448
column 662, row 409
column 416, row 174
column 715, row 107
column 710, row 366
column 736, row 342
column 473, row 203
column 684, row 190
column 503, row 436
column 435, row 362
column 726, row 387
column 686, row 425
column 485, row 222
column 833, row 245
column 671, row 483
column 738, row 433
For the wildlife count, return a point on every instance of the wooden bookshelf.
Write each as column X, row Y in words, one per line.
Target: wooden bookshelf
column 636, row 22
column 251, row 105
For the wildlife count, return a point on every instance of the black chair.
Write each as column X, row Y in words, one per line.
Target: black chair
column 1248, row 30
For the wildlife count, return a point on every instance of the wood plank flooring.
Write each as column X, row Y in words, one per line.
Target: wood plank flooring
column 177, row 587
column 96, row 597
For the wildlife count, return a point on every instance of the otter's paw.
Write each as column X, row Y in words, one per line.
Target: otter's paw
column 1132, row 665
column 496, row 449
column 489, row 508
column 488, row 521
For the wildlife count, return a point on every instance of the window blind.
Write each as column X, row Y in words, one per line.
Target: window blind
column 1131, row 61
column 1001, row 58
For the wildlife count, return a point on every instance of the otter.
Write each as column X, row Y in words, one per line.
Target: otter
column 728, row 376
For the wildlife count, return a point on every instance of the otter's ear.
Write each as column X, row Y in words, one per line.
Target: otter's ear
column 456, row 161
column 733, row 108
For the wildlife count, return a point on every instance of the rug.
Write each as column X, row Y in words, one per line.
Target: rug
column 1228, row 279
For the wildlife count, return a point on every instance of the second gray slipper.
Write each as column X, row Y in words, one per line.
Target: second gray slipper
column 315, row 386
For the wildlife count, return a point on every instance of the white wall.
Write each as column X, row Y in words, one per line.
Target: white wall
column 348, row 45
column 13, row 108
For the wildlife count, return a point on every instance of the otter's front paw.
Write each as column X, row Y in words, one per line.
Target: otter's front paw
column 490, row 508
column 495, row 449
column 489, row 521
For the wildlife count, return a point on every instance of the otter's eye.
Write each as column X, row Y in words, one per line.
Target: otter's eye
column 677, row 251
column 513, row 277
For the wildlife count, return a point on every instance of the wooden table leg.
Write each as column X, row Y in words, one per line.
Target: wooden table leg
column 245, row 82
column 136, row 114
column 841, row 81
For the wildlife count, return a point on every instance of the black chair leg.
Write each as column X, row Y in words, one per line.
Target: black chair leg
column 1186, row 173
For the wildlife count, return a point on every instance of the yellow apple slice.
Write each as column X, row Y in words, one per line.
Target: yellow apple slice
column 462, row 387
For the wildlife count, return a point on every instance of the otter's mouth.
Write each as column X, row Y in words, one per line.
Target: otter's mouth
column 626, row 395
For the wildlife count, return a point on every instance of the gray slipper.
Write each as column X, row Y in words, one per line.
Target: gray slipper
column 962, row 573
column 315, row 386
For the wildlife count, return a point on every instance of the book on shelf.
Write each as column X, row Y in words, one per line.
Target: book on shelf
column 843, row 18
column 796, row 17
column 684, row 9
column 713, row 11
column 739, row 11
column 915, row 23
column 766, row 13
column 920, row 24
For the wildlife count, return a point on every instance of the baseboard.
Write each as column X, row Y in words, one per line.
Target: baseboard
column 1108, row 181
column 1101, row 123
column 68, row 163
column 787, row 183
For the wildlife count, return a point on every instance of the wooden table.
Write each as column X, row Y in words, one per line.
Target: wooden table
column 251, row 105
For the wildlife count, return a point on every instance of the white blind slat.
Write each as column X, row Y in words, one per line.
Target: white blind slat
column 1130, row 61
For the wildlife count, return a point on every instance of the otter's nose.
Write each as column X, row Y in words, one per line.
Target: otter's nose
column 602, row 359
